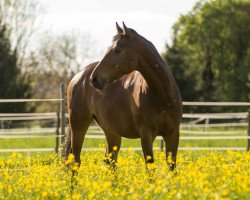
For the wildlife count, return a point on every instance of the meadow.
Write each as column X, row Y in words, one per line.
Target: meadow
column 199, row 175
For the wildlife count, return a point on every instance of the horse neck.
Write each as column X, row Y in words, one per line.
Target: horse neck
column 157, row 75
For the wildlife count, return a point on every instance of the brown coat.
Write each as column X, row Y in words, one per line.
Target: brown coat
column 130, row 93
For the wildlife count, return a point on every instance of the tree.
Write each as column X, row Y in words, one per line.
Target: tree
column 20, row 16
column 12, row 84
column 56, row 60
column 210, row 53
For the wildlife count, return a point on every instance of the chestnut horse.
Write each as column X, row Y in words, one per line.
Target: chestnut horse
column 130, row 93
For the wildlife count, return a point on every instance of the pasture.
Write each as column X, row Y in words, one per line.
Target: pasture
column 199, row 175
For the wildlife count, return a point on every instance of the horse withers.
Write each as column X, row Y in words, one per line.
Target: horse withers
column 130, row 93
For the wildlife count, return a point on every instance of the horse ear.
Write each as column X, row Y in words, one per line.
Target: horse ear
column 118, row 28
column 127, row 32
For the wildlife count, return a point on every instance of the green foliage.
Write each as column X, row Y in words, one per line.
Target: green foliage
column 12, row 82
column 210, row 53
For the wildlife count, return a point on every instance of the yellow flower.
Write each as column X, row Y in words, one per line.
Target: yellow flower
column 44, row 194
column 151, row 166
column 75, row 168
column 115, row 148
column 148, row 157
column 70, row 159
column 225, row 192
column 170, row 159
column 76, row 196
column 195, row 194
column 91, row 195
column 106, row 184
column 10, row 190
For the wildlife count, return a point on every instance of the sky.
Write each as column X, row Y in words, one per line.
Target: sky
column 153, row 19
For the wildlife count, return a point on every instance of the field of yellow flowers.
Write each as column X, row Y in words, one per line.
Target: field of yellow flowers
column 199, row 175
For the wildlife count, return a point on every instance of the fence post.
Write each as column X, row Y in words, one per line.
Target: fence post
column 248, row 132
column 162, row 145
column 2, row 125
column 57, row 132
column 206, row 123
column 62, row 110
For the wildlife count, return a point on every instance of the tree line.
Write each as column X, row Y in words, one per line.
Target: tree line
column 210, row 51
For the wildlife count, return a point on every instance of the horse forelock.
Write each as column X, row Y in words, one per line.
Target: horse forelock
column 121, row 35
column 117, row 37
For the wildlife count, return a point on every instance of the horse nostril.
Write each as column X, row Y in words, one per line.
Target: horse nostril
column 98, row 83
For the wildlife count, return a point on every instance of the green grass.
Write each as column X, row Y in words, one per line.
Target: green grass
column 50, row 142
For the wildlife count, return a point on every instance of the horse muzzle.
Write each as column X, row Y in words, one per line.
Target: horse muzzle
column 98, row 82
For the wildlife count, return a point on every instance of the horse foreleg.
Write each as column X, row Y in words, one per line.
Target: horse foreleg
column 172, row 141
column 147, row 147
column 113, row 147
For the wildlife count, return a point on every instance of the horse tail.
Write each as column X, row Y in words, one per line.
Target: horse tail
column 67, row 146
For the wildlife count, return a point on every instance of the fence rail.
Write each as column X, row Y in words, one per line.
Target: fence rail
column 157, row 138
column 241, row 115
column 28, row 100
column 27, row 131
column 195, row 121
column 185, row 103
column 214, row 125
column 28, row 150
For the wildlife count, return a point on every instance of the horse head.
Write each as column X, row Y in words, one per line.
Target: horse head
column 121, row 58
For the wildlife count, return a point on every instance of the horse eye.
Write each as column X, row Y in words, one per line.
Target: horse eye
column 117, row 51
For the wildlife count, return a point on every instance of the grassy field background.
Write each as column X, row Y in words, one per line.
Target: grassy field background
column 95, row 143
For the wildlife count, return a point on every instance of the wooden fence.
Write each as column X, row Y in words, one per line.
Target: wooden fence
column 58, row 132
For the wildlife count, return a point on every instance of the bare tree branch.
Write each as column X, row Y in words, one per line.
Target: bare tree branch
column 20, row 16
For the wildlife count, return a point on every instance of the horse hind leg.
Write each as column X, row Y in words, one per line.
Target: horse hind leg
column 78, row 128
